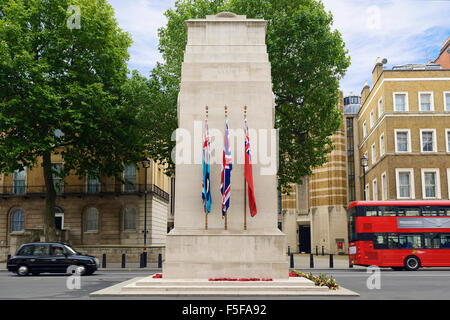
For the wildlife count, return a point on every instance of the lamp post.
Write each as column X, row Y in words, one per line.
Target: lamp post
column 364, row 164
column 146, row 165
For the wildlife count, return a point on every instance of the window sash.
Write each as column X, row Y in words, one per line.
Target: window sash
column 447, row 101
column 130, row 178
column 17, row 221
column 400, row 102
column 404, row 184
column 130, row 219
column 430, row 184
column 427, row 141
column 402, row 141
column 425, row 102
column 92, row 220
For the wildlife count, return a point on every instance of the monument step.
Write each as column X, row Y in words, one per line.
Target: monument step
column 175, row 283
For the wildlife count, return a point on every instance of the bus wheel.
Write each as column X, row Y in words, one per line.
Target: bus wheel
column 397, row 268
column 412, row 263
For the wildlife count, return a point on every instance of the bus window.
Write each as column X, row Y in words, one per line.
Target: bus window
column 429, row 211
column 352, row 224
column 393, row 241
column 380, row 241
column 445, row 241
column 388, row 212
column 371, row 212
column 444, row 212
column 409, row 212
column 410, row 241
column 432, row 240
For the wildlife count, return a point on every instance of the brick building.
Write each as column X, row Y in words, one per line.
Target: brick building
column 404, row 132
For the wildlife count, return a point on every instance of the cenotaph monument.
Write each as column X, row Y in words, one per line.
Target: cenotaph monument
column 225, row 64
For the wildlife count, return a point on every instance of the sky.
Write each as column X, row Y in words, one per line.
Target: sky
column 402, row 31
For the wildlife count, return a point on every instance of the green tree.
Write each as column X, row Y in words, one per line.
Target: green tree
column 308, row 59
column 62, row 89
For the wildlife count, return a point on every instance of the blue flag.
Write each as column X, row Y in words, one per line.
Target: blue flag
column 206, row 183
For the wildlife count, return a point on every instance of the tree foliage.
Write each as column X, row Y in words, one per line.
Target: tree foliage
column 57, row 79
column 308, row 59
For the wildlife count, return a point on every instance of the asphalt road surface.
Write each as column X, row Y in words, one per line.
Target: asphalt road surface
column 428, row 284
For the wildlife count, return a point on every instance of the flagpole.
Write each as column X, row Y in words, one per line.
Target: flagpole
column 226, row 213
column 245, row 182
column 206, row 210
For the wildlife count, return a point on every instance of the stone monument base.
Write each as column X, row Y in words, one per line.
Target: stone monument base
column 218, row 253
column 151, row 287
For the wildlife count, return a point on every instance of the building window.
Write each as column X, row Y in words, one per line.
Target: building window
column 364, row 129
column 19, row 178
column 92, row 184
column 384, row 189
column 405, row 183
column 17, row 221
column 374, row 154
column 129, row 176
column 129, row 220
column 367, row 192
column 447, row 101
column 380, row 107
column 448, row 184
column 426, row 101
column 428, row 140
column 375, row 189
column 401, row 101
column 382, row 149
column 402, row 141
column 431, row 184
column 372, row 119
column 57, row 179
column 59, row 218
column 447, row 139
column 92, row 220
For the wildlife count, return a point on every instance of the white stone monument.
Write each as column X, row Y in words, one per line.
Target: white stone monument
column 226, row 63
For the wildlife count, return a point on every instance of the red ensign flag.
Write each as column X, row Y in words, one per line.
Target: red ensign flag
column 249, row 174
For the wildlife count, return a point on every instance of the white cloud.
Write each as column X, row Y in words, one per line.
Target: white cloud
column 403, row 31
column 142, row 18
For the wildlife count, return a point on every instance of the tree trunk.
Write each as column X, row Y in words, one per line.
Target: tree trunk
column 50, row 200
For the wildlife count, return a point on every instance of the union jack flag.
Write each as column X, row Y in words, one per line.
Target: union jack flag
column 225, row 185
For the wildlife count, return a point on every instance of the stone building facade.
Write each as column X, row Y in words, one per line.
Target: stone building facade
column 94, row 216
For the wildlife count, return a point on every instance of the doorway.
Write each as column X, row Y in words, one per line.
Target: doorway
column 304, row 239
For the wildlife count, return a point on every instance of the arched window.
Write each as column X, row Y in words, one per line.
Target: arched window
column 92, row 219
column 129, row 219
column 17, row 220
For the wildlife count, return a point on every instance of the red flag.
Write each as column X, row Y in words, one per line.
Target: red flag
column 249, row 174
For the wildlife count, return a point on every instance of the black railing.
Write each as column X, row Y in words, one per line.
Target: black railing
column 70, row 189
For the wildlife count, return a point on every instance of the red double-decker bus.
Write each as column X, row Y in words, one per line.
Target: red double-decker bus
column 399, row 234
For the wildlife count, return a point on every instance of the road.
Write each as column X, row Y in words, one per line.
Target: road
column 432, row 284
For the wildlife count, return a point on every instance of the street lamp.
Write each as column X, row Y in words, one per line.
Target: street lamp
column 146, row 165
column 364, row 164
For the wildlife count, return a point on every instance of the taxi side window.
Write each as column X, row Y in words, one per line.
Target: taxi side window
column 57, row 251
column 42, row 250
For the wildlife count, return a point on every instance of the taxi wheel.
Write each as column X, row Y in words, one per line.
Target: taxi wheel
column 22, row 271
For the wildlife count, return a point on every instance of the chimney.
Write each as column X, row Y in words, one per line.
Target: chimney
column 365, row 92
column 377, row 70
